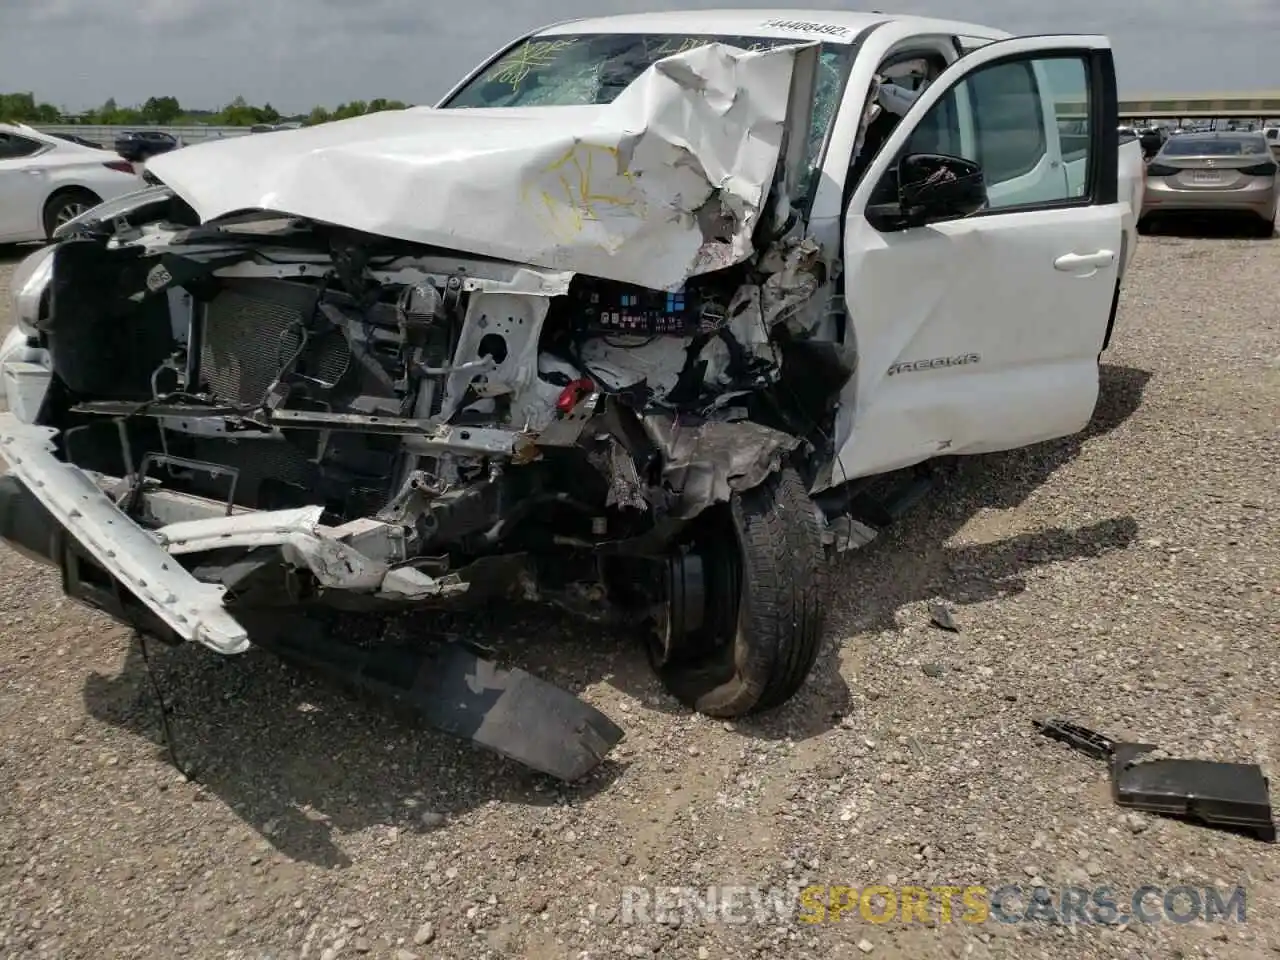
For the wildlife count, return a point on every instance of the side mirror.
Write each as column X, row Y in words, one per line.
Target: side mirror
column 932, row 186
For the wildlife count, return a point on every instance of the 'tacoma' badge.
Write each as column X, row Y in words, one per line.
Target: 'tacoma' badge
column 915, row 366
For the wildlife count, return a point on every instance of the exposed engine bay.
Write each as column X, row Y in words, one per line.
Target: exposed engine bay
column 442, row 411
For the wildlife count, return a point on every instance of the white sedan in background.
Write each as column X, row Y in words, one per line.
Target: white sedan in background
column 46, row 181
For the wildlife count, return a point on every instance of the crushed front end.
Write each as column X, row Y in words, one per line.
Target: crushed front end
column 248, row 420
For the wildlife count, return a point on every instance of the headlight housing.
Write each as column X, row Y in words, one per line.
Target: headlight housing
column 31, row 281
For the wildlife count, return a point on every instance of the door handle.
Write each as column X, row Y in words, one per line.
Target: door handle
column 1071, row 262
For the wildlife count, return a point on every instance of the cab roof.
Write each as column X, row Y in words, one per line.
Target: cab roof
column 831, row 26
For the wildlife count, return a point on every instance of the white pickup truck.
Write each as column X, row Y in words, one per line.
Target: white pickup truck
column 646, row 311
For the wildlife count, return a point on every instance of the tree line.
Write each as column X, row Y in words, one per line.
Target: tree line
column 167, row 111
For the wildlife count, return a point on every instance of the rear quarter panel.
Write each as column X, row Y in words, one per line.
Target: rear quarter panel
column 1133, row 178
column 90, row 173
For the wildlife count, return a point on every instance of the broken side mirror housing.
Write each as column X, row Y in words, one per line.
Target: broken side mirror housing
column 932, row 187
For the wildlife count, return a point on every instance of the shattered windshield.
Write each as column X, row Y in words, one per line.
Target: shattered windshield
column 580, row 70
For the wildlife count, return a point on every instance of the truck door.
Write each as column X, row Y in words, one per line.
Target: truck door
column 982, row 332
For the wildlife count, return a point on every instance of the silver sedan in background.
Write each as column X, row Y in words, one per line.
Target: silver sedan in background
column 1213, row 173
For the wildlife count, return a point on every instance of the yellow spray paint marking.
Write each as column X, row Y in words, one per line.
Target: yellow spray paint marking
column 672, row 47
column 582, row 186
column 515, row 68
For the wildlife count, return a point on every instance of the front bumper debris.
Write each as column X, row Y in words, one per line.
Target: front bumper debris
column 193, row 610
column 57, row 513
column 143, row 561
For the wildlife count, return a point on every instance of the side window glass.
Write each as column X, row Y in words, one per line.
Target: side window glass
column 13, row 147
column 1008, row 121
column 996, row 117
column 1068, row 81
column 939, row 130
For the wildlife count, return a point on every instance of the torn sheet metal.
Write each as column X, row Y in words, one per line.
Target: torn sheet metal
column 667, row 181
column 707, row 462
column 794, row 268
column 626, row 489
column 627, row 362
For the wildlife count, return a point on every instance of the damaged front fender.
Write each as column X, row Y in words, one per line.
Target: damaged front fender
column 710, row 461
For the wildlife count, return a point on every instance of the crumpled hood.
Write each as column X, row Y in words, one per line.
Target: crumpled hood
column 667, row 181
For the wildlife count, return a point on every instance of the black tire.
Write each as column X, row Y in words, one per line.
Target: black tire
column 1264, row 229
column 1144, row 226
column 766, row 645
column 61, row 206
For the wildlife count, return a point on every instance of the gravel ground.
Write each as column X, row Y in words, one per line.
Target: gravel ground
column 1126, row 579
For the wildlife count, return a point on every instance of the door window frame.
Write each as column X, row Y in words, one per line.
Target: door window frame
column 1101, row 177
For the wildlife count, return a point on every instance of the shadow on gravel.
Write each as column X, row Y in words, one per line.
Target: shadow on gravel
column 13, row 252
column 913, row 565
column 297, row 758
column 1208, row 227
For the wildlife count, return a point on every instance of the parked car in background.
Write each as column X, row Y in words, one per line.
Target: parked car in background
column 1132, row 170
column 274, row 127
column 1213, row 173
column 1152, row 139
column 72, row 138
column 140, row 145
column 1272, row 136
column 46, row 181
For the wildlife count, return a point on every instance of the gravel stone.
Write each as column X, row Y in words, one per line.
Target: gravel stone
column 1127, row 579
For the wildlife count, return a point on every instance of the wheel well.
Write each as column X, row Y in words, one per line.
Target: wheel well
column 62, row 193
column 72, row 191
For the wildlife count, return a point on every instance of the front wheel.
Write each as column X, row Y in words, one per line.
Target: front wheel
column 742, row 622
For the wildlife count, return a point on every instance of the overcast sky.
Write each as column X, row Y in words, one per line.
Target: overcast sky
column 298, row 53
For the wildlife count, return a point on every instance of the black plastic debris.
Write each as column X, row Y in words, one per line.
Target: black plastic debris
column 1081, row 738
column 511, row 712
column 1232, row 796
column 941, row 617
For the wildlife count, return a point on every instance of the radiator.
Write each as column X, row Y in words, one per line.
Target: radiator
column 248, row 333
column 252, row 328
